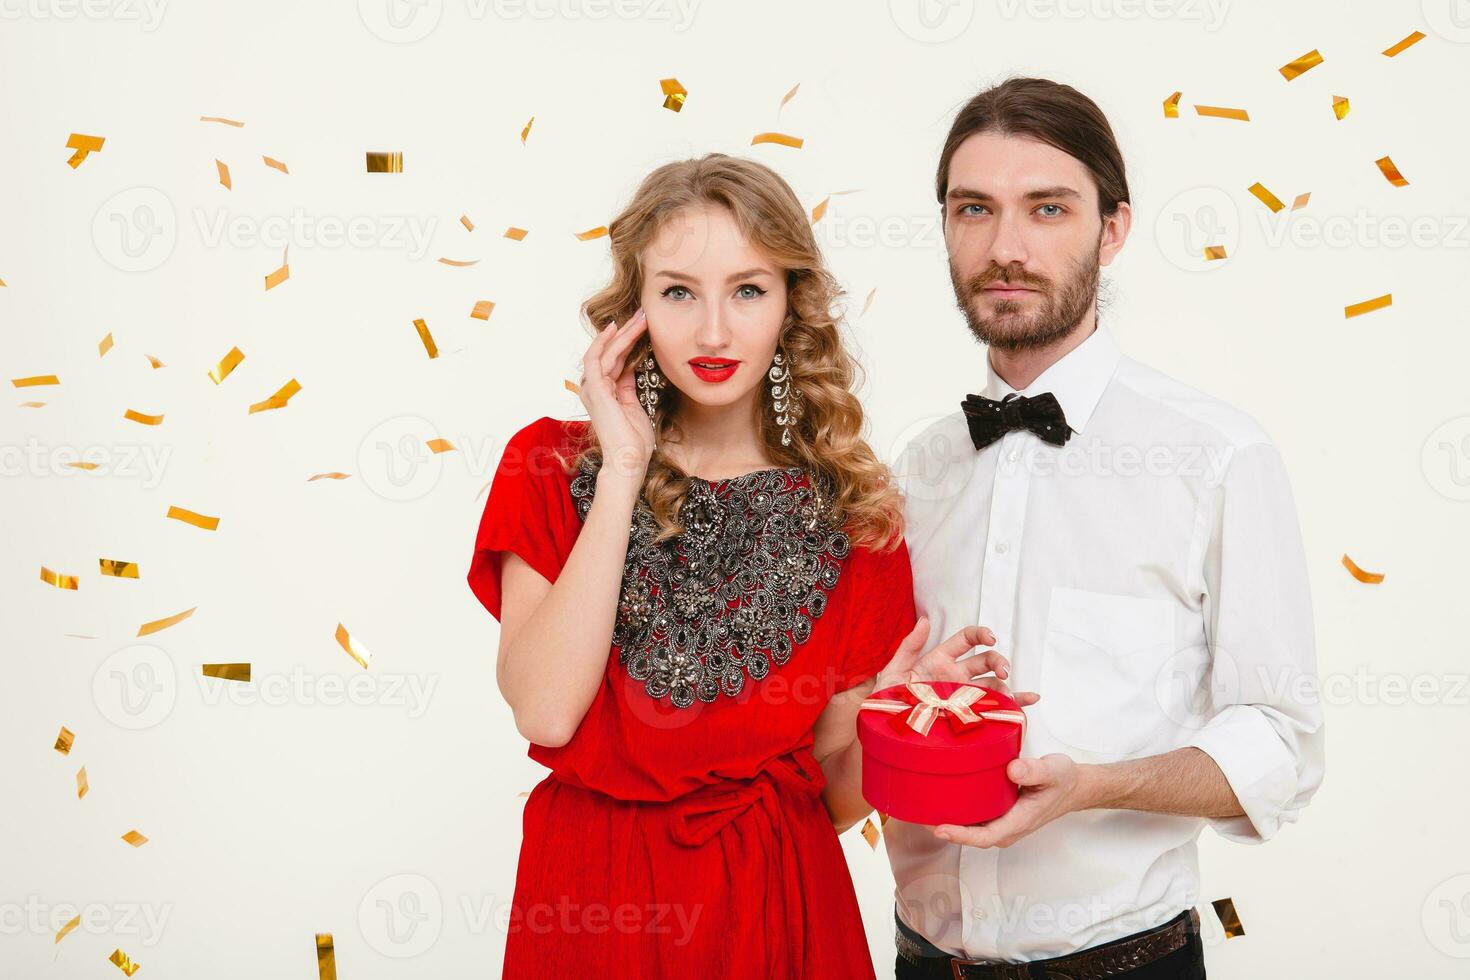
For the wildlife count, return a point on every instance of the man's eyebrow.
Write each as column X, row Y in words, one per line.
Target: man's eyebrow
column 971, row 194
column 742, row 274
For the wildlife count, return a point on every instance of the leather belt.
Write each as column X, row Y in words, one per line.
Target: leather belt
column 1111, row 959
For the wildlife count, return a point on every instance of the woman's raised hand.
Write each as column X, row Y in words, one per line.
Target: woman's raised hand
column 609, row 392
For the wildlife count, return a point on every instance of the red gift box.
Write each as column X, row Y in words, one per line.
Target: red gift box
column 936, row 751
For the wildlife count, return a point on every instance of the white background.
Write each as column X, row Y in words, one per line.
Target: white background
column 288, row 807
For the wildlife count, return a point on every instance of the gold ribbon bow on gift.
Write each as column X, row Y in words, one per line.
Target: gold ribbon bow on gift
column 930, row 706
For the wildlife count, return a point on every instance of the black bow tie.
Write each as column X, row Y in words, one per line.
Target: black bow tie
column 990, row 419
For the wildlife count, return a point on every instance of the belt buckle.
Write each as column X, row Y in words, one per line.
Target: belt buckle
column 1001, row 971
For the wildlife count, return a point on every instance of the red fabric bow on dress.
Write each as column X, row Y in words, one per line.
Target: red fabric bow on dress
column 959, row 707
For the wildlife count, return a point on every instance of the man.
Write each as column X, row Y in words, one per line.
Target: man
column 1133, row 546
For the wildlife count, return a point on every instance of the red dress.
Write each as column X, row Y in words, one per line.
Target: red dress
column 681, row 831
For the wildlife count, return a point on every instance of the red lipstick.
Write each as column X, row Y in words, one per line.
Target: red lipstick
column 713, row 369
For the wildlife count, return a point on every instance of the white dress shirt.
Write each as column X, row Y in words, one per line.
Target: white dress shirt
column 1147, row 579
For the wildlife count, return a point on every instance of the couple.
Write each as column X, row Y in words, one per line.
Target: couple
column 698, row 587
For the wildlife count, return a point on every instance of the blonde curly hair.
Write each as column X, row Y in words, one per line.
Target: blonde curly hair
column 827, row 437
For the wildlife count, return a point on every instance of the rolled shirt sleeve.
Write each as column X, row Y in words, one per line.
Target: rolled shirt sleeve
column 1265, row 730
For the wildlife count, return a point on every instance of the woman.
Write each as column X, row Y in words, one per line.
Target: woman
column 696, row 588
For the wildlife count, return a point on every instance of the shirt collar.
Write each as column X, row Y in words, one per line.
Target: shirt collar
column 1077, row 379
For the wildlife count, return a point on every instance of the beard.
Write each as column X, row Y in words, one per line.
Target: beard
column 1008, row 327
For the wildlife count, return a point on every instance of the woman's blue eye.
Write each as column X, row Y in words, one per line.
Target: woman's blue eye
column 671, row 289
column 755, row 291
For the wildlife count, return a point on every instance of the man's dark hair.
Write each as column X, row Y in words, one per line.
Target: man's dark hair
column 1052, row 113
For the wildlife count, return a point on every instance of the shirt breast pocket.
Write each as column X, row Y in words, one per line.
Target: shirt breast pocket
column 1104, row 654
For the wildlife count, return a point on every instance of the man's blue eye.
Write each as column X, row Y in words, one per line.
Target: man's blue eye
column 1056, row 209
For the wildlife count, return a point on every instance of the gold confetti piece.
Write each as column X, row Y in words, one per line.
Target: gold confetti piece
column 57, row 579
column 780, row 138
column 460, row 263
column 334, row 475
column 882, row 820
column 83, row 145
column 1171, row 106
column 870, row 833
column 275, row 164
column 1340, row 106
column 1390, row 172
column 1368, row 306
column 81, row 782
column 427, row 338
column 821, row 209
column 155, row 362
column 572, row 386
column 166, row 622
column 279, row 399
column 1367, row 578
column 226, row 364
column 134, row 838
column 1301, row 200
column 523, row 793
column 64, row 740
column 869, row 301
column 118, row 569
column 42, row 405
column 527, row 131
column 2, row 282
column 1221, row 112
column 227, row 672
column 121, row 961
column 788, row 97
column 440, row 446
column 1266, row 197
column 1225, row 909
column 40, row 379
column 674, row 93
column 326, row 957
column 1213, row 252
column 104, row 346
column 221, row 119
column 80, row 466
column 385, row 163
column 469, row 225
column 591, row 233
column 189, row 517
column 516, row 233
column 279, row 276
column 482, row 310
column 224, row 174
column 354, row 649
column 133, row 416
column 62, row 933
column 82, row 636
column 1305, row 63
column 1407, row 42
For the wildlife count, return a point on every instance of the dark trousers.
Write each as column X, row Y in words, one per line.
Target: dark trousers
column 1186, row 963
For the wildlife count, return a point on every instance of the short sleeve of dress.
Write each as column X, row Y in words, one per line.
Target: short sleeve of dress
column 530, row 510
column 880, row 612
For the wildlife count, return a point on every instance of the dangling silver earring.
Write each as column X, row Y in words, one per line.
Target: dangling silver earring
column 785, row 399
column 649, row 383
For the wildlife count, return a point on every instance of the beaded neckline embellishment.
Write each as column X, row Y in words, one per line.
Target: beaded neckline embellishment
column 734, row 593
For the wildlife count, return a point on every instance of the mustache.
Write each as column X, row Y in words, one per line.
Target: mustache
column 1009, row 276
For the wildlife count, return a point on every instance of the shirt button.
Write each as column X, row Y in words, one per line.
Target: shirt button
column 1001, row 547
column 1012, row 456
column 978, row 913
